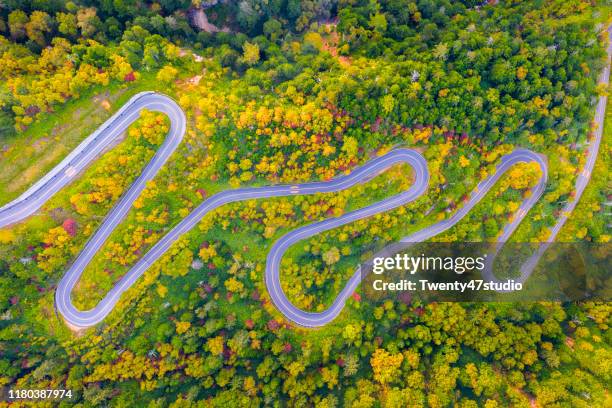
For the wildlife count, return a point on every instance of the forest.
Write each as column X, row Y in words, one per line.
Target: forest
column 288, row 91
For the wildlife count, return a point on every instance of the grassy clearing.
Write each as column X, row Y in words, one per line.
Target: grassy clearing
column 27, row 156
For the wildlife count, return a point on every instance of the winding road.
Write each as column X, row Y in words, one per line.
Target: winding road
column 62, row 174
column 91, row 148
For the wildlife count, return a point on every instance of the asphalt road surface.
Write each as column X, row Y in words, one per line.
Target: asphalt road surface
column 87, row 151
column 33, row 199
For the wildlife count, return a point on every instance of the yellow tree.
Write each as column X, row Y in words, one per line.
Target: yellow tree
column 167, row 74
column 386, row 366
column 250, row 53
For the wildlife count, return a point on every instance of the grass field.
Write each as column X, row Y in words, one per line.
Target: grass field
column 27, row 156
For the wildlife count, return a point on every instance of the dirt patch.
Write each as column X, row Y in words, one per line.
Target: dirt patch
column 76, row 330
column 30, row 174
column 58, row 129
column 196, row 57
column 116, row 95
column 194, row 80
column 40, row 142
column 330, row 44
column 106, row 105
column 533, row 403
column 199, row 19
column 77, row 113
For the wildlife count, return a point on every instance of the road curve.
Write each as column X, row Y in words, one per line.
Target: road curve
column 30, row 201
column 316, row 319
column 101, row 310
column 62, row 174
column 89, row 150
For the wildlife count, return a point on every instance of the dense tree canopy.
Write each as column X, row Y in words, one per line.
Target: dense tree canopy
column 287, row 91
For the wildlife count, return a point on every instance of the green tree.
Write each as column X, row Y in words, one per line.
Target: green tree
column 250, row 53
column 67, row 24
column 38, row 27
column 273, row 29
column 17, row 24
